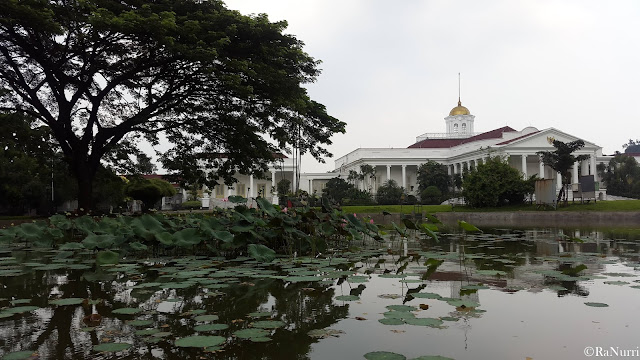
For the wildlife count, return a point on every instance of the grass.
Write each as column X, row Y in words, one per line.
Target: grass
column 618, row 205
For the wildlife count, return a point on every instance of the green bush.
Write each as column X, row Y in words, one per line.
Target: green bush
column 189, row 205
column 389, row 193
column 494, row 184
column 150, row 192
column 431, row 196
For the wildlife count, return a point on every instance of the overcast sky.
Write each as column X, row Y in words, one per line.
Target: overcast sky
column 390, row 68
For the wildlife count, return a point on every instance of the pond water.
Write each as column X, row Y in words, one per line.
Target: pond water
column 503, row 294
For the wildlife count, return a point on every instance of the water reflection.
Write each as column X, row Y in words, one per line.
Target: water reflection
column 473, row 285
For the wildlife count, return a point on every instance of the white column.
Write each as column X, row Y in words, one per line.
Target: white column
column 468, row 165
column 274, row 193
column 559, row 181
column 449, row 172
column 584, row 164
column 251, row 186
column 310, row 186
column 388, row 172
column 574, row 173
column 455, row 168
column 404, row 176
column 593, row 164
column 541, row 169
column 524, row 166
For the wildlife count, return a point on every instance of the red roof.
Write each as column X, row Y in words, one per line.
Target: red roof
column 447, row 143
column 519, row 137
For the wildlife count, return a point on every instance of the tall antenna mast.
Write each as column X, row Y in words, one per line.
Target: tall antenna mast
column 459, row 103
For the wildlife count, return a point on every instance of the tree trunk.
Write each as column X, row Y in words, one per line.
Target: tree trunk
column 85, row 174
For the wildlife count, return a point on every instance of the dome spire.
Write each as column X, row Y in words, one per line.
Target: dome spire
column 459, row 102
column 459, row 110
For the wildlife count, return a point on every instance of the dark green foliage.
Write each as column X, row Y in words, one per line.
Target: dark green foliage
column 260, row 233
column 621, row 176
column 389, row 193
column 632, row 147
column 149, row 191
column 190, row 205
column 341, row 192
column 431, row 195
column 103, row 75
column 494, row 183
column 562, row 160
column 435, row 174
column 284, row 188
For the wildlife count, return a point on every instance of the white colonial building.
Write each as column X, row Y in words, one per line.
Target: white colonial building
column 459, row 148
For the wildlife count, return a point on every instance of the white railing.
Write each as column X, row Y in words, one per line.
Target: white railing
column 445, row 136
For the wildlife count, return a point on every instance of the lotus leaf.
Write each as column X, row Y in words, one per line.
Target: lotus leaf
column 426, row 295
column 211, row 327
column 401, row 308
column 431, row 322
column 390, row 321
column 259, row 314
column 18, row 355
column 347, row 298
column 261, row 253
column 200, row 341
column 19, row 309
column 383, row 355
column 111, row 347
column 147, row 332
column 462, row 303
column 107, row 257
column 273, row 324
column 206, row 318
column 324, row 333
column 596, row 304
column 126, row 311
column 138, row 246
column 250, row 333
column 398, row 315
column 260, row 339
column 67, row 301
column 72, row 246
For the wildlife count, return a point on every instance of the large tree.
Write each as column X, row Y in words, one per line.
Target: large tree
column 621, row 176
column 432, row 173
column 104, row 74
column 562, row 160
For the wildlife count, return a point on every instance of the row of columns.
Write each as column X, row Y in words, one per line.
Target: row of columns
column 404, row 175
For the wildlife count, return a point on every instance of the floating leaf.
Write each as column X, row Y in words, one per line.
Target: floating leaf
column 199, row 341
column 272, row 324
column 147, row 332
column 260, row 339
column 401, row 308
column 250, row 333
column 111, row 347
column 67, row 301
column 259, row 314
column 347, row 298
column 126, row 311
column 431, row 322
column 427, row 295
column 324, row 333
column 18, row 355
column 383, row 355
column 398, row 315
column 211, row 327
column 390, row 321
column 206, row 318
column 463, row 303
column 596, row 304
column 19, row 309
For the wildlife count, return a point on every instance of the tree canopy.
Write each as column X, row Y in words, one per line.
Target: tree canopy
column 494, row 183
column 621, row 176
column 105, row 74
column 435, row 174
column 562, row 160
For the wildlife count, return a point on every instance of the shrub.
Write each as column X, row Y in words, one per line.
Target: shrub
column 431, row 196
column 389, row 193
column 190, row 205
column 494, row 184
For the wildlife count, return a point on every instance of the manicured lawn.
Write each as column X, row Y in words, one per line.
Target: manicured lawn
column 619, row 205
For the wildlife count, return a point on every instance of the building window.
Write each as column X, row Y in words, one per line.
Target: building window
column 455, row 128
column 464, row 128
column 241, row 190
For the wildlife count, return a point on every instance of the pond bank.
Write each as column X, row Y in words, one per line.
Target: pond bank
column 546, row 218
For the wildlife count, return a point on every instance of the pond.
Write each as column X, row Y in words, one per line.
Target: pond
column 502, row 294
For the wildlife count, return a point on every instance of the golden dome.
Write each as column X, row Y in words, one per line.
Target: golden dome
column 459, row 110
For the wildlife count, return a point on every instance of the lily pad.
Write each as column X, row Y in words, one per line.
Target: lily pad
column 596, row 304
column 66, row 301
column 250, row 333
column 273, row 324
column 206, row 318
column 199, row 341
column 147, row 332
column 260, row 339
column 391, row 321
column 259, row 314
column 126, row 311
column 383, row 355
column 111, row 347
column 463, row 303
column 347, row 298
column 210, row 327
column 402, row 308
column 426, row 295
column 18, row 355
column 324, row 333
column 431, row 322
column 398, row 315
column 19, row 309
